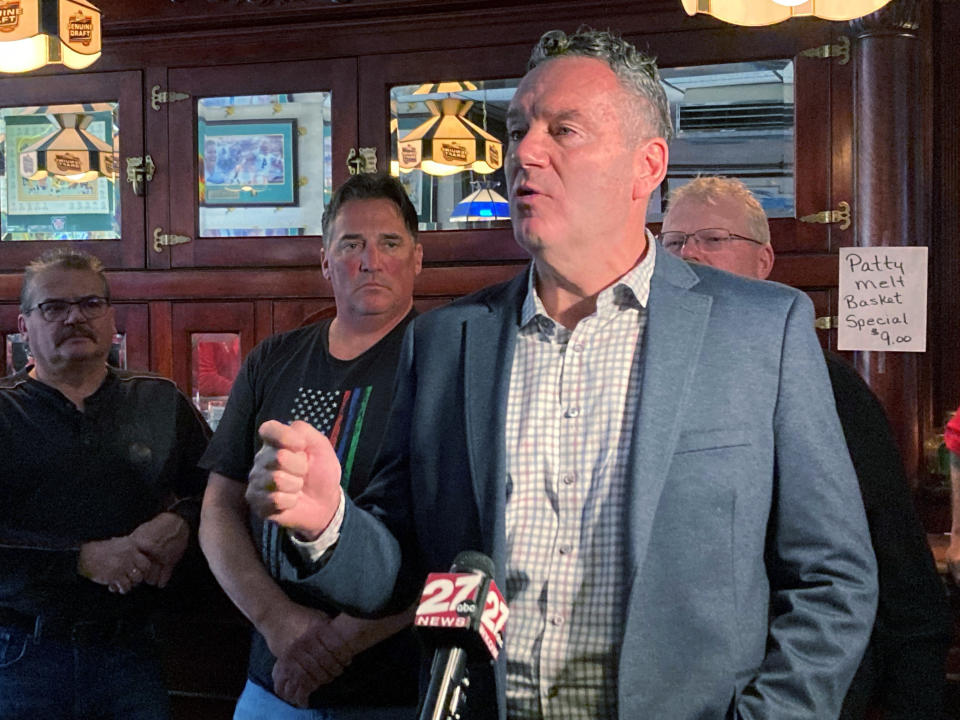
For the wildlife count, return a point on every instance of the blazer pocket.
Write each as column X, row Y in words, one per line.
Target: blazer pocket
column 697, row 440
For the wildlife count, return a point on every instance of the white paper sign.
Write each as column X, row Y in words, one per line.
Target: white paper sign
column 882, row 303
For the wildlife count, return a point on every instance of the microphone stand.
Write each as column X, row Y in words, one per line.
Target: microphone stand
column 448, row 680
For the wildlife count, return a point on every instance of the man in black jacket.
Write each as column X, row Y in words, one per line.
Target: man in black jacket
column 99, row 494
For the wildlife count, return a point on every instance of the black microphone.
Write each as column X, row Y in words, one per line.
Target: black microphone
column 461, row 614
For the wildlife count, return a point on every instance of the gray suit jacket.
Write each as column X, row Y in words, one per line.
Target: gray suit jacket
column 752, row 588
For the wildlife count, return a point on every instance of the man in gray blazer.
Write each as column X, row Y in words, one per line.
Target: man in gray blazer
column 717, row 221
column 648, row 450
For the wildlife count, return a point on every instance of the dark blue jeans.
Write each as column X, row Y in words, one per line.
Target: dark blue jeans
column 57, row 679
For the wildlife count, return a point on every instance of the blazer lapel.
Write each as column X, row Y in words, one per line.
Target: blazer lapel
column 489, row 340
column 676, row 323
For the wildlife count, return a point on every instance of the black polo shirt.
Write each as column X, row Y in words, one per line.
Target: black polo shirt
column 69, row 476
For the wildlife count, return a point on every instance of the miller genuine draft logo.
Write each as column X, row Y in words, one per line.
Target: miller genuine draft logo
column 80, row 28
column 453, row 152
column 67, row 163
column 408, row 153
column 494, row 152
column 10, row 15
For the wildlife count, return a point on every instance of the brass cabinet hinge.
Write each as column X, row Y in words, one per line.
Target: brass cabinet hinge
column 162, row 240
column 362, row 161
column 840, row 50
column 840, row 215
column 166, row 96
column 826, row 322
column 139, row 172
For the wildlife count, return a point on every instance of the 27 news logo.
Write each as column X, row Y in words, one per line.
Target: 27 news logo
column 449, row 601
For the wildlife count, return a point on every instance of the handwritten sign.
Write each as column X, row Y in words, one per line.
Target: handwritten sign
column 882, row 303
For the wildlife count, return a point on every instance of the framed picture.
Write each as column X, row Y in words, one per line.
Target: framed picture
column 248, row 162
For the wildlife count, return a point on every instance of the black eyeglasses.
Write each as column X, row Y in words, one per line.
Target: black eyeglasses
column 706, row 239
column 91, row 307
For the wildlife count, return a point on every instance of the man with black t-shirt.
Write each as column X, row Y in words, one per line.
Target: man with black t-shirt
column 338, row 376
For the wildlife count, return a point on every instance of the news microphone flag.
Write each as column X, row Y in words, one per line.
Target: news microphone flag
column 451, row 602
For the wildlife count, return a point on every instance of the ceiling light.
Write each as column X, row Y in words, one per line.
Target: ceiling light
column 34, row 33
column 767, row 12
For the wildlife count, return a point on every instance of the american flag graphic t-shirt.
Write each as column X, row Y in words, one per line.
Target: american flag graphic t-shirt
column 339, row 415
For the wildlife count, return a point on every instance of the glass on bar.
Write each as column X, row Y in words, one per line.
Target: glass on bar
column 214, row 364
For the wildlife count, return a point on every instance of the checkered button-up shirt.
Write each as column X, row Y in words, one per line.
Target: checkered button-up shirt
column 571, row 407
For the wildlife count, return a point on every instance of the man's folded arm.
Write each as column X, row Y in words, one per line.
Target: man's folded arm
column 236, row 564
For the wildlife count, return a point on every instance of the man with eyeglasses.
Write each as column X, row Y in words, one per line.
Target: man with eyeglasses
column 717, row 221
column 99, row 495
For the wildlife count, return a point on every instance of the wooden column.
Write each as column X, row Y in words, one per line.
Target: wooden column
column 890, row 202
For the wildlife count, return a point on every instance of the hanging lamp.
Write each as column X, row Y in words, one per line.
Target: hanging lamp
column 452, row 86
column 482, row 205
column 70, row 153
column 34, row 33
column 448, row 143
column 768, row 12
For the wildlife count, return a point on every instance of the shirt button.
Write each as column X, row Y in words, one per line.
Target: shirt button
column 564, row 549
column 572, row 412
column 578, row 347
column 556, row 620
column 553, row 691
column 568, row 479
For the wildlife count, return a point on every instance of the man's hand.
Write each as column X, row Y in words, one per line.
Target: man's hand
column 117, row 563
column 164, row 540
column 295, row 480
column 316, row 658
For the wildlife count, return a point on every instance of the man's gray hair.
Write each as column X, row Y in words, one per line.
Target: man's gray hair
column 636, row 71
column 60, row 259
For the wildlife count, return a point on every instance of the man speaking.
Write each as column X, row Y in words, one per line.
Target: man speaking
column 648, row 450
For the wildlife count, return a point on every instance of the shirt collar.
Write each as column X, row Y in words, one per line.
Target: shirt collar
column 91, row 401
column 631, row 290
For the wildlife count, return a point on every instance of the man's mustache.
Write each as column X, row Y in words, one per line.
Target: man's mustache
column 76, row 331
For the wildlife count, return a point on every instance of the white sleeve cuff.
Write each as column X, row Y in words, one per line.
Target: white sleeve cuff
column 312, row 550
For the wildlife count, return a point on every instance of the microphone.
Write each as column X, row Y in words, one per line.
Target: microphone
column 461, row 614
